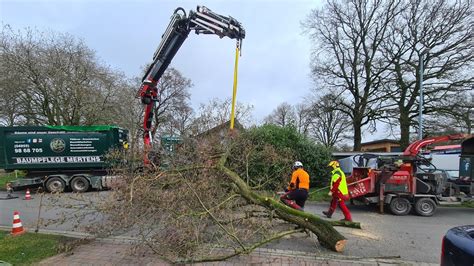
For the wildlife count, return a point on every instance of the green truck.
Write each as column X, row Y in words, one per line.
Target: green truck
column 60, row 158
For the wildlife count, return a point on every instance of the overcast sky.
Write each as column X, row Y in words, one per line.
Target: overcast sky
column 274, row 66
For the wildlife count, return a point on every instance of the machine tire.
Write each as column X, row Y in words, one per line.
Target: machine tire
column 425, row 207
column 400, row 206
column 55, row 185
column 80, row 184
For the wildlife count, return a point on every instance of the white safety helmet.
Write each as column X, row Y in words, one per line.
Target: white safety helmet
column 297, row 164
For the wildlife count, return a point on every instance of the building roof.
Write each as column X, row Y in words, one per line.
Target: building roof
column 218, row 128
column 382, row 141
column 351, row 153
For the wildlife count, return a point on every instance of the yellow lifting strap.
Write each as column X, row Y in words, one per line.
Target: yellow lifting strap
column 234, row 94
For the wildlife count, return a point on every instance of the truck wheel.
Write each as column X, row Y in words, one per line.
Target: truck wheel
column 55, row 185
column 425, row 207
column 80, row 184
column 400, row 206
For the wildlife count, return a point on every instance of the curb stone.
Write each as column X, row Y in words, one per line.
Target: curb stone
column 259, row 252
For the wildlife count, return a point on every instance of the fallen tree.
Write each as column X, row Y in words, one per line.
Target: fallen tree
column 324, row 230
column 202, row 210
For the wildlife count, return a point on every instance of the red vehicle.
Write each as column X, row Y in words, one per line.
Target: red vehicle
column 399, row 184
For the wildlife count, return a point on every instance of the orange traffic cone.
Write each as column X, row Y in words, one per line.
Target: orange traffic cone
column 17, row 228
column 27, row 196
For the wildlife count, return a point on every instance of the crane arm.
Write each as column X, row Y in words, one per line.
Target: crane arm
column 202, row 21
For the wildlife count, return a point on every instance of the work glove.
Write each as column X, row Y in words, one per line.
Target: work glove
column 330, row 193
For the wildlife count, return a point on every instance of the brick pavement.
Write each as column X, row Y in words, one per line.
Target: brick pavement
column 103, row 252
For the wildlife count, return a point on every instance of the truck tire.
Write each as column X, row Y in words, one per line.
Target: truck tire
column 425, row 207
column 55, row 185
column 400, row 206
column 80, row 184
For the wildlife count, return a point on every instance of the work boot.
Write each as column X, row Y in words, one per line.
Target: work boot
column 345, row 220
column 328, row 214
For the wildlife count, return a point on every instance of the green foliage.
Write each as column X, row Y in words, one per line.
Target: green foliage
column 28, row 248
column 264, row 156
column 469, row 204
column 320, row 195
column 8, row 177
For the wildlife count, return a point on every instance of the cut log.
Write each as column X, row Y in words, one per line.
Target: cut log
column 340, row 245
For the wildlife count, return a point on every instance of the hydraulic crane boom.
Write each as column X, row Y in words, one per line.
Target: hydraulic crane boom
column 204, row 21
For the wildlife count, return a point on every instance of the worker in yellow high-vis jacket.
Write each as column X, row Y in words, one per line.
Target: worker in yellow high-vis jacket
column 338, row 191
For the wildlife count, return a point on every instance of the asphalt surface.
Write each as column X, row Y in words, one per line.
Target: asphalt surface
column 411, row 237
column 29, row 209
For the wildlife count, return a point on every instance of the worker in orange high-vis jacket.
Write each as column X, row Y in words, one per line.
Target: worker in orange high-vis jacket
column 338, row 191
column 297, row 192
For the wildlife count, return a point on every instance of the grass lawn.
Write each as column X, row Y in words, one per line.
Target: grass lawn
column 7, row 177
column 319, row 196
column 30, row 247
column 469, row 204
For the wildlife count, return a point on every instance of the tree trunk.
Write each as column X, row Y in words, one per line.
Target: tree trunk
column 357, row 134
column 324, row 230
column 404, row 121
column 468, row 121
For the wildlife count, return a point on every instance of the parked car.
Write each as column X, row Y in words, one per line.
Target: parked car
column 457, row 247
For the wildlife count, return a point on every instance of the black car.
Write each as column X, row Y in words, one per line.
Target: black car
column 458, row 246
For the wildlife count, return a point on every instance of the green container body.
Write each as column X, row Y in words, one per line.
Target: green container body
column 58, row 147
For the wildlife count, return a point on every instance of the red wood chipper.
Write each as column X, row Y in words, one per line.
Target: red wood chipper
column 399, row 183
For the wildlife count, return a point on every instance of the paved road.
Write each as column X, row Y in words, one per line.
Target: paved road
column 411, row 237
column 414, row 238
column 29, row 209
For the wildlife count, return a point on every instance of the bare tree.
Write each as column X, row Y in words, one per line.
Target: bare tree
column 346, row 56
column 55, row 79
column 128, row 113
column 303, row 118
column 329, row 124
column 217, row 112
column 454, row 115
column 283, row 115
column 438, row 34
column 463, row 112
column 10, row 111
column 173, row 102
column 179, row 122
